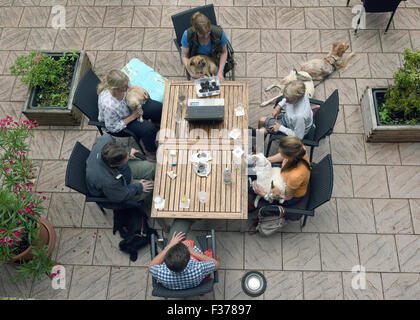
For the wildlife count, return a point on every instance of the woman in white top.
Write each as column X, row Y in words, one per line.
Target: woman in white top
column 298, row 118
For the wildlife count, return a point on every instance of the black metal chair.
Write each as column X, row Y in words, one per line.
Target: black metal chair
column 324, row 121
column 76, row 180
column 319, row 192
column 379, row 6
column 203, row 288
column 181, row 22
column 86, row 100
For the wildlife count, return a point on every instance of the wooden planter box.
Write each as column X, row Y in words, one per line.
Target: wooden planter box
column 378, row 132
column 59, row 116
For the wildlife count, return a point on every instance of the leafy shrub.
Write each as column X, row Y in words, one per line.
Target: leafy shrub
column 402, row 104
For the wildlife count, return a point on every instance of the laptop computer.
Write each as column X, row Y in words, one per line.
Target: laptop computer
column 205, row 110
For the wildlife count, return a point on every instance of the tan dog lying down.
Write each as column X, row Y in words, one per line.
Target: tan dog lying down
column 320, row 68
column 293, row 75
column 200, row 66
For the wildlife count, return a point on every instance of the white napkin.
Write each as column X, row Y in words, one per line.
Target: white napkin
column 239, row 111
column 235, row 134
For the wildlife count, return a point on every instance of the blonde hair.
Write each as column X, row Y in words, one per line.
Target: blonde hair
column 200, row 23
column 294, row 90
column 115, row 79
column 292, row 148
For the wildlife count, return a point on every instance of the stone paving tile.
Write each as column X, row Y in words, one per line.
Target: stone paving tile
column 322, row 286
column 284, row 285
column 87, row 138
column 261, row 65
column 392, row 216
column 319, row 18
column 366, row 41
column 6, row 87
column 52, row 177
column 382, row 153
column 415, row 213
column 401, row 286
column 241, row 38
column 301, row 251
column 158, row 39
column 262, row 18
column 147, row 16
column 275, row 41
column 353, row 119
column 403, row 181
column 89, row 283
column 263, row 252
column 325, row 219
column 70, row 38
column 99, row 38
column 408, row 247
column 14, row 38
column 305, row 41
column 128, row 38
column 395, row 41
column 290, row 18
column 127, row 283
column 107, row 251
column 41, row 39
column 355, row 215
column 328, row 37
column 343, row 184
column 10, row 288
column 44, row 291
column 407, row 18
column 362, row 84
column 338, row 252
column 346, row 89
column 340, row 124
column 378, row 253
column 230, row 246
column 287, row 61
column 358, row 67
column 383, row 65
column 118, row 16
column 34, row 17
column 94, row 218
column 90, row 17
column 372, row 291
column 42, row 150
column 76, row 246
column 108, row 60
column 410, row 153
column 12, row 109
column 233, row 286
column 370, row 182
column 66, row 209
column 415, row 39
column 10, row 17
column 347, row 149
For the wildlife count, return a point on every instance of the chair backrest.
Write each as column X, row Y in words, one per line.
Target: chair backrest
column 76, row 169
column 326, row 117
column 321, row 183
column 182, row 20
column 381, row 5
column 85, row 97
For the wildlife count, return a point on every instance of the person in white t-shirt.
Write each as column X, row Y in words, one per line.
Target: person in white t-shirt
column 297, row 119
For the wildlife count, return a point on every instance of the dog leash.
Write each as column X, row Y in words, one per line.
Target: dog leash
column 328, row 75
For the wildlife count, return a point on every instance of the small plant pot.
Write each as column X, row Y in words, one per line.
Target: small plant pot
column 53, row 115
column 376, row 131
column 47, row 236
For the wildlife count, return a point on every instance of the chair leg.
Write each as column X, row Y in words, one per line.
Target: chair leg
column 270, row 141
column 348, row 1
column 311, row 154
column 304, row 221
column 100, row 130
column 102, row 209
column 390, row 19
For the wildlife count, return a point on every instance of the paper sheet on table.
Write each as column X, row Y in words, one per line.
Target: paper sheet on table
column 143, row 76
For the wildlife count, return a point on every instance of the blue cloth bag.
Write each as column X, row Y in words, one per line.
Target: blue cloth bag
column 143, row 76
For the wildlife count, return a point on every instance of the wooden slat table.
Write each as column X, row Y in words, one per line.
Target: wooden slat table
column 223, row 201
column 234, row 92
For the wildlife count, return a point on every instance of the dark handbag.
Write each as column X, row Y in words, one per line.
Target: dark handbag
column 270, row 219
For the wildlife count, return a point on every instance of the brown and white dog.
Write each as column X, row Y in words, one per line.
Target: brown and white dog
column 320, row 68
column 201, row 65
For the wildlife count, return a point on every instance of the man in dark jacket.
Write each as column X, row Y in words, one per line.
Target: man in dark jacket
column 113, row 172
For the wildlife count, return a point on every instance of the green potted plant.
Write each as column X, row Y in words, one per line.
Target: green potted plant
column 393, row 114
column 52, row 79
column 26, row 239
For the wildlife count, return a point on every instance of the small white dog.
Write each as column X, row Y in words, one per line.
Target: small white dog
column 268, row 178
column 293, row 75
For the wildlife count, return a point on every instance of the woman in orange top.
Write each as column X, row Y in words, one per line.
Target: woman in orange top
column 295, row 171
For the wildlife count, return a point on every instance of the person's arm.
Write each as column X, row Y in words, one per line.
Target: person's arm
column 222, row 63
column 160, row 258
column 200, row 256
column 276, row 158
column 184, row 55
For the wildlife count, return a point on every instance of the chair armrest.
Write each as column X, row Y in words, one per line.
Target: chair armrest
column 213, row 246
column 96, row 123
column 152, row 246
column 314, row 101
column 299, row 211
column 310, row 143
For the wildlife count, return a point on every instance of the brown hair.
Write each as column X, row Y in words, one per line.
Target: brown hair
column 294, row 90
column 115, row 79
column 113, row 153
column 200, row 23
column 292, row 148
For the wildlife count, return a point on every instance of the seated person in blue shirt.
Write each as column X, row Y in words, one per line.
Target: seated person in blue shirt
column 179, row 265
column 207, row 39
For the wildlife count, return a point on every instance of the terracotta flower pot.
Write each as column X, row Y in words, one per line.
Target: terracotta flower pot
column 47, row 236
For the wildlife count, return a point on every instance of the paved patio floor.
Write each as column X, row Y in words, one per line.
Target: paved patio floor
column 373, row 218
